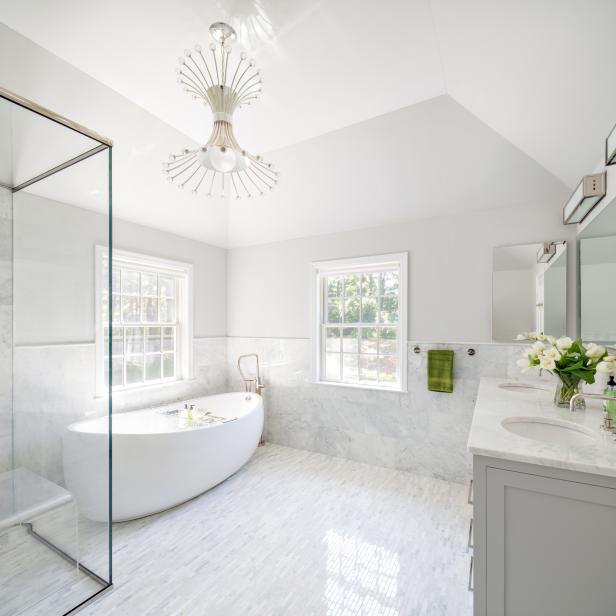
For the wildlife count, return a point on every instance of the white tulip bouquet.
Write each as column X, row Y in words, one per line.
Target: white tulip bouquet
column 573, row 361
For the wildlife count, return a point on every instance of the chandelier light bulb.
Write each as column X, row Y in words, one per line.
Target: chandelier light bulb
column 222, row 159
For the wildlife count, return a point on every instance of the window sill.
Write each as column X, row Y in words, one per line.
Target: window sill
column 148, row 388
column 392, row 390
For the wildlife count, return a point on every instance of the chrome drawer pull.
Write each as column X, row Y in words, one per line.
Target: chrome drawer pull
column 470, row 535
column 470, row 493
column 470, row 577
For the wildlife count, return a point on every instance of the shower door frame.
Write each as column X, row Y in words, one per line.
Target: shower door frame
column 104, row 143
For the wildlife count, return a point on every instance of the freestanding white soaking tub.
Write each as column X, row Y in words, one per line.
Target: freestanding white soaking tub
column 162, row 456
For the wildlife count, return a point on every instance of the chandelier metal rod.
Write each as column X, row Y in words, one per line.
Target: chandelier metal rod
column 248, row 96
column 184, row 154
column 269, row 182
column 175, row 167
column 250, row 171
column 264, row 177
column 239, row 81
column 228, row 53
column 194, row 162
column 237, row 194
column 196, row 188
column 247, row 84
column 191, row 88
column 239, row 177
column 266, row 167
column 216, row 65
column 212, row 183
column 205, row 81
column 265, row 170
column 200, row 85
column 207, row 68
column 190, row 177
column 237, row 69
column 253, row 182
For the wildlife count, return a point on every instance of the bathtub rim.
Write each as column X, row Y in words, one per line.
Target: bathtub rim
column 76, row 425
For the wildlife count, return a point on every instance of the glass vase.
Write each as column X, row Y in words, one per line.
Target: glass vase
column 565, row 390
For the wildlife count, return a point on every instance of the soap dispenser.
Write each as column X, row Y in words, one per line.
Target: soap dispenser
column 608, row 405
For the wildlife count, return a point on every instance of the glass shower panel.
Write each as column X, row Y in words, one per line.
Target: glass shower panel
column 6, row 329
column 32, row 144
column 57, row 183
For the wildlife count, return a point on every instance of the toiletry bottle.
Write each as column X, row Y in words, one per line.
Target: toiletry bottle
column 608, row 405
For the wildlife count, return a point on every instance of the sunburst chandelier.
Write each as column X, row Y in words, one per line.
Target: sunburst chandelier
column 221, row 166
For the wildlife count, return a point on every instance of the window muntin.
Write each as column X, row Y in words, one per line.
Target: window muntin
column 361, row 324
column 150, row 330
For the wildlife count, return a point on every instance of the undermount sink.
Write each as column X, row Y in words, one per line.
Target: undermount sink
column 549, row 430
column 518, row 386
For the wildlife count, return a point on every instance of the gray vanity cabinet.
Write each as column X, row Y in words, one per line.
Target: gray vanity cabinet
column 544, row 541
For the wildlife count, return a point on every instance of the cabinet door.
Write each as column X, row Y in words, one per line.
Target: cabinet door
column 551, row 546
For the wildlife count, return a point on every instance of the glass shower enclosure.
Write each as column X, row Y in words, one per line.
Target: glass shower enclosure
column 55, row 214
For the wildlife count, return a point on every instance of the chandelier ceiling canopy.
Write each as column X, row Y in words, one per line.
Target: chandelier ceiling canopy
column 220, row 166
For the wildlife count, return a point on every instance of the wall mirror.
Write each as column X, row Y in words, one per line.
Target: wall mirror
column 597, row 289
column 529, row 290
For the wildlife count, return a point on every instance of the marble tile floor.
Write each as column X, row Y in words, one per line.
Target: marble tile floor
column 36, row 581
column 297, row 533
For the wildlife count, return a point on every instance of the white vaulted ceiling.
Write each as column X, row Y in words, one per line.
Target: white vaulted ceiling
column 521, row 91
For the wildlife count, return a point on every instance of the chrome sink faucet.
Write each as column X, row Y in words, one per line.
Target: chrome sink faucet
column 609, row 425
column 574, row 399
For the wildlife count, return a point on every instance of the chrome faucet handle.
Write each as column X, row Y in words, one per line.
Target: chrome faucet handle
column 573, row 403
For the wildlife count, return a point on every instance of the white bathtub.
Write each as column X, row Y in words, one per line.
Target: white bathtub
column 160, row 459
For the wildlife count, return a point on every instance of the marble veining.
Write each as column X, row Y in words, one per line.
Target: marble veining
column 296, row 533
column 489, row 437
column 419, row 431
column 54, row 386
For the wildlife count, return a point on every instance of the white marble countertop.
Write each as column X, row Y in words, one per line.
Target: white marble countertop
column 488, row 436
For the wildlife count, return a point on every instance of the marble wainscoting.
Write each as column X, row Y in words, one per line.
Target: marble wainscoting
column 6, row 327
column 419, row 431
column 54, row 386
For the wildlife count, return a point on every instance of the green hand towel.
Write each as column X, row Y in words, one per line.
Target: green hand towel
column 440, row 370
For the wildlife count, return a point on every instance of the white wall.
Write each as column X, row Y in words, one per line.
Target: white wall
column 450, row 272
column 427, row 160
column 54, row 270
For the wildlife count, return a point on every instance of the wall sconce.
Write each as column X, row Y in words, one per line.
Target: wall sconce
column 584, row 198
column 546, row 252
column 610, row 148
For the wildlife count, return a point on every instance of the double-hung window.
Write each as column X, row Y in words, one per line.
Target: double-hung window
column 360, row 321
column 151, row 319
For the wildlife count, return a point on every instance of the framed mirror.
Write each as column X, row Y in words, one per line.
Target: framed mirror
column 597, row 267
column 529, row 290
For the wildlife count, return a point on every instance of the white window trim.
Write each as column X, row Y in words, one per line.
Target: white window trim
column 184, row 350
column 365, row 263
